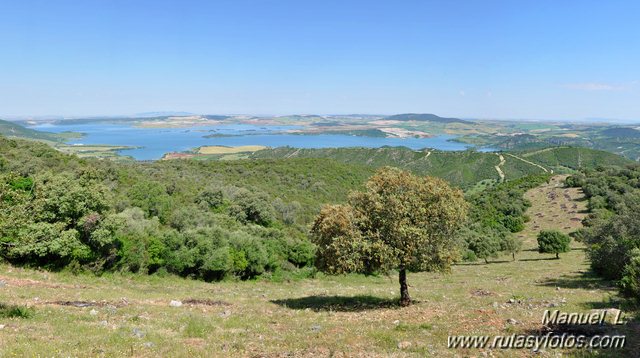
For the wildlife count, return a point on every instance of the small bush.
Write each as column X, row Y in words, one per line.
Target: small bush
column 469, row 256
column 11, row 311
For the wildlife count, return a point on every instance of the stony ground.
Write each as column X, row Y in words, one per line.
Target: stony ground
column 117, row 315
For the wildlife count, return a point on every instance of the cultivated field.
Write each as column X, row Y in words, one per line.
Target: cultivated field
column 116, row 315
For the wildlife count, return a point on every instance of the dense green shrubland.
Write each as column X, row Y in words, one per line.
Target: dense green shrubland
column 204, row 220
column 612, row 230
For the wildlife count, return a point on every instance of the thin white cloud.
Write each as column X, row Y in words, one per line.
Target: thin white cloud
column 594, row 86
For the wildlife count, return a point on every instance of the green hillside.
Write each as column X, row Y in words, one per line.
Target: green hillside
column 567, row 159
column 463, row 168
column 309, row 182
column 10, row 129
column 460, row 168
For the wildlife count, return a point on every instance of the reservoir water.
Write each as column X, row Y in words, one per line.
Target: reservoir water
column 153, row 143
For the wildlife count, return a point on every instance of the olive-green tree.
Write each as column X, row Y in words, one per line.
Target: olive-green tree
column 512, row 245
column 399, row 222
column 553, row 242
column 484, row 242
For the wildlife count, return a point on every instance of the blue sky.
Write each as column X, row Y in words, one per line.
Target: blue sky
column 475, row 59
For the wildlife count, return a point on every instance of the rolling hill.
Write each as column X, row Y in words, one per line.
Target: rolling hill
column 567, row 159
column 425, row 117
column 460, row 168
column 465, row 168
column 13, row 130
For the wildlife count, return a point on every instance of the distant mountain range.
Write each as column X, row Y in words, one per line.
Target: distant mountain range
column 162, row 114
column 426, row 117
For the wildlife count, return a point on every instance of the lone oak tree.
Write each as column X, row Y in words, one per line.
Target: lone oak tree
column 553, row 242
column 401, row 221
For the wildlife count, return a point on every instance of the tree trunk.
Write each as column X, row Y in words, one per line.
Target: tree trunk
column 557, row 255
column 405, row 299
column 513, row 256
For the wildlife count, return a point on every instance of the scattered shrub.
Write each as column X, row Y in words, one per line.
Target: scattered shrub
column 13, row 311
column 553, row 242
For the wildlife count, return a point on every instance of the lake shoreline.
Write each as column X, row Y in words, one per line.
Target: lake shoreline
column 158, row 143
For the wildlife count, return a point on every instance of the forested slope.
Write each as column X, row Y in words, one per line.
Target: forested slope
column 461, row 168
column 208, row 220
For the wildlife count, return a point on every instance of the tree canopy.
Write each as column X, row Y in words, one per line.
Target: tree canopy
column 553, row 242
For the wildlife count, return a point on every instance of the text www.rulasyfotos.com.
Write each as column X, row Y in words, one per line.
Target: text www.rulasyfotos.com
column 536, row 343
column 551, row 340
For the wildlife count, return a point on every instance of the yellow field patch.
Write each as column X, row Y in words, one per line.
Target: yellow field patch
column 219, row 149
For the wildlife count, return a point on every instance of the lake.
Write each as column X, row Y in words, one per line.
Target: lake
column 153, row 143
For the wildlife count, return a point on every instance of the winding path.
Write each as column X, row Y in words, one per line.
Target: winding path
column 532, row 163
column 500, row 172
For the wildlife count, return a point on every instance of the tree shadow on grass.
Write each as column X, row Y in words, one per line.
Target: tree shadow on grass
column 338, row 303
column 578, row 279
column 541, row 259
column 588, row 280
column 491, row 262
column 481, row 262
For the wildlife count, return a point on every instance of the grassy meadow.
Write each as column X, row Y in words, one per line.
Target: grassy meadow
column 353, row 315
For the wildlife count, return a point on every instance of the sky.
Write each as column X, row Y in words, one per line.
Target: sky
column 526, row 59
